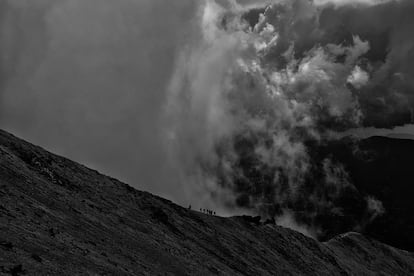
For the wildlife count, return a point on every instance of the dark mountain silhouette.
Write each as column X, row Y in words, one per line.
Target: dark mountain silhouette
column 60, row 218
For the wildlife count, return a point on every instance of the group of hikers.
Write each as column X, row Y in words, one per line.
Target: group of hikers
column 205, row 211
column 208, row 212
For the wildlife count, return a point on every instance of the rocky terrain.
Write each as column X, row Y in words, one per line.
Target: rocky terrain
column 59, row 217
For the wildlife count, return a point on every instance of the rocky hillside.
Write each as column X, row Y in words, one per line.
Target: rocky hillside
column 59, row 217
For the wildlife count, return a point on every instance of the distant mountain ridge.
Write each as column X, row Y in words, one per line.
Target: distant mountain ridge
column 59, row 217
column 401, row 136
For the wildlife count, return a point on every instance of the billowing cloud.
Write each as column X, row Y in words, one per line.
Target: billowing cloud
column 358, row 77
column 251, row 101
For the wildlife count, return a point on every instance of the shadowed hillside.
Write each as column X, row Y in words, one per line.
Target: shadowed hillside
column 59, row 217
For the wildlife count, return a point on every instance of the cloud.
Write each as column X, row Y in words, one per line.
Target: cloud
column 239, row 120
column 358, row 77
column 253, row 99
column 385, row 25
column 375, row 207
column 287, row 220
column 386, row 100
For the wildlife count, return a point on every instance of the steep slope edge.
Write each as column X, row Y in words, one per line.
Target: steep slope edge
column 59, row 217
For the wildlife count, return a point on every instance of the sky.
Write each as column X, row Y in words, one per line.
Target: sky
column 115, row 84
column 86, row 79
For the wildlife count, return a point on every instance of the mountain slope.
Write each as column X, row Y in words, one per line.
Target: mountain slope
column 59, row 217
